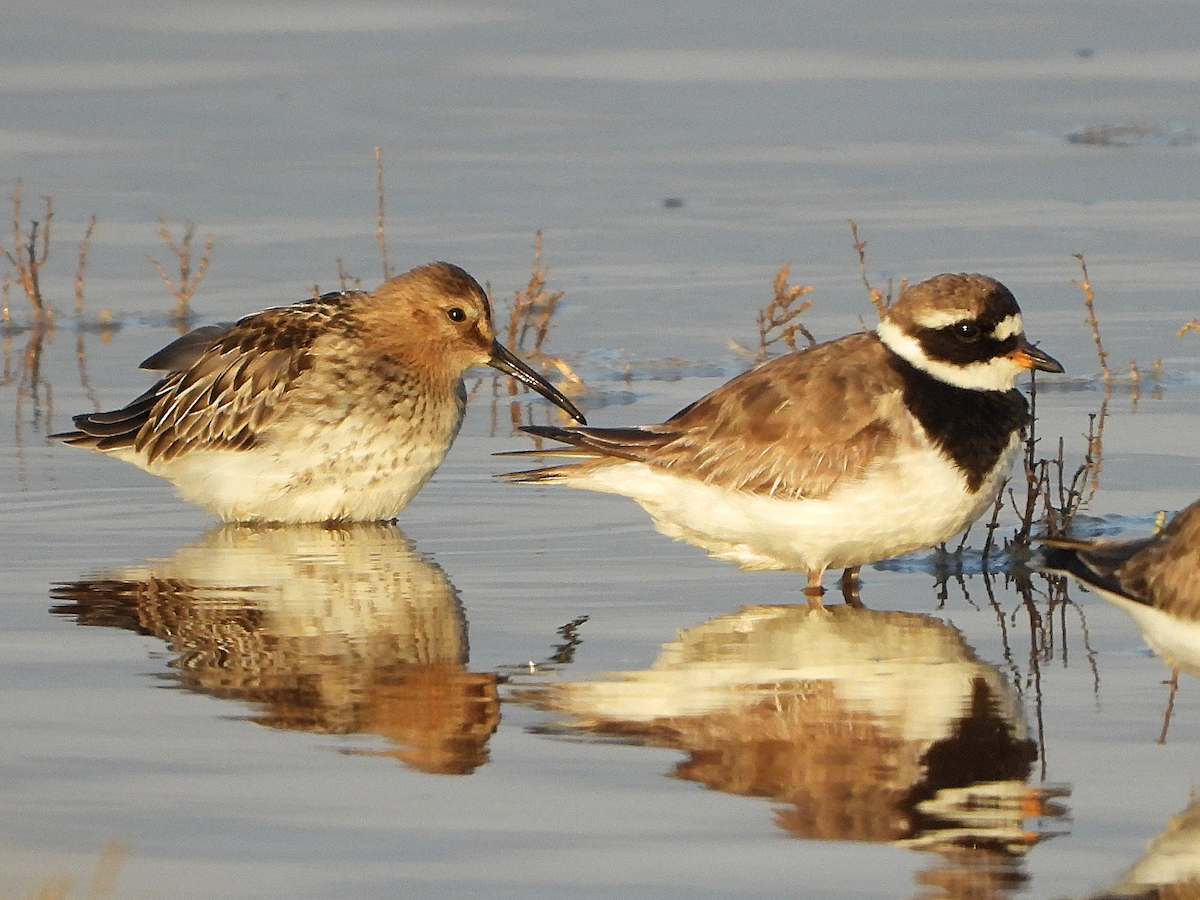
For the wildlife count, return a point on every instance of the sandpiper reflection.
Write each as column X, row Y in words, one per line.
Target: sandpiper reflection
column 335, row 630
column 862, row 725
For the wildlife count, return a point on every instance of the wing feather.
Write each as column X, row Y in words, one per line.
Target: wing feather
column 792, row 427
column 226, row 394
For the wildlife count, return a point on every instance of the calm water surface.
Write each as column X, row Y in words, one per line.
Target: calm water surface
column 421, row 711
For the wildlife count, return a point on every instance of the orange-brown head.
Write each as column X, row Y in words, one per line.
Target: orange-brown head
column 437, row 319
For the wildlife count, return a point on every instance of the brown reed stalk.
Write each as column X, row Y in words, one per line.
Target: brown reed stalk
column 879, row 299
column 345, row 279
column 189, row 280
column 775, row 319
column 29, row 252
column 1089, row 300
column 83, row 252
column 380, row 234
column 533, row 307
column 1046, row 480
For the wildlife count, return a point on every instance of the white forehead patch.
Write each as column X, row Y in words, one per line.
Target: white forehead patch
column 940, row 318
column 1008, row 327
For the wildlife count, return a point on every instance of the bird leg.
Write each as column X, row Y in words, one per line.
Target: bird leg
column 813, row 589
column 850, row 587
column 1174, row 682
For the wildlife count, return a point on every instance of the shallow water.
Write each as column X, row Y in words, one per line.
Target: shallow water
column 374, row 712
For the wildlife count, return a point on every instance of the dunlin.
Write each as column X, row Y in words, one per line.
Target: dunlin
column 338, row 408
column 846, row 453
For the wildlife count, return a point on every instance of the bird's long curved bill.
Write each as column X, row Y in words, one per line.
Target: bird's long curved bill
column 1031, row 357
column 505, row 361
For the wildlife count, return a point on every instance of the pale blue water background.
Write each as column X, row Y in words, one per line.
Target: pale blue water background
column 942, row 129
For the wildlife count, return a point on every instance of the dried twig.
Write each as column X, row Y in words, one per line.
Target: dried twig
column 28, row 253
column 532, row 307
column 188, row 280
column 776, row 315
column 880, row 300
column 83, row 252
column 345, row 279
column 1046, row 480
column 531, row 313
column 379, row 232
column 1089, row 300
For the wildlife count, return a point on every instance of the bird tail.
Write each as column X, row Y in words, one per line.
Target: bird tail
column 582, row 443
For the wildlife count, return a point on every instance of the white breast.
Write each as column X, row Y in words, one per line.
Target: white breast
column 919, row 499
column 365, row 466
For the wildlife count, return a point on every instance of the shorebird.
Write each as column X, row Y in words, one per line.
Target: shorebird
column 1156, row 580
column 338, row 408
column 849, row 452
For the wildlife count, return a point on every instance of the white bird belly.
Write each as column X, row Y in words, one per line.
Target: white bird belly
column 359, row 469
column 918, row 500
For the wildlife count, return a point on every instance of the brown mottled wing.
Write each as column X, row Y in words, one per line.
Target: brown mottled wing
column 184, row 352
column 223, row 399
column 1162, row 571
column 1167, row 572
column 791, row 427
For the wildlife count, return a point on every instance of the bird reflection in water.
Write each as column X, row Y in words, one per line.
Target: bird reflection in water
column 862, row 725
column 1170, row 867
column 332, row 630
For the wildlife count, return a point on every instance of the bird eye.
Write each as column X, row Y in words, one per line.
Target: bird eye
column 456, row 314
column 967, row 332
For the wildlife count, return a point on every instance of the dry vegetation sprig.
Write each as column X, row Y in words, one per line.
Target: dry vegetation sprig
column 83, row 252
column 532, row 308
column 879, row 299
column 29, row 252
column 775, row 319
column 380, row 234
column 104, row 877
column 530, row 314
column 1048, row 486
column 1089, row 300
column 189, row 279
column 1047, row 483
column 32, row 251
column 345, row 279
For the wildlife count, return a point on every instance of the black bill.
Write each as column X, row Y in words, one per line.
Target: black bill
column 1031, row 357
column 505, row 361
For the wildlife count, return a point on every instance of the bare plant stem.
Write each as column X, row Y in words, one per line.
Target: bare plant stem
column 345, row 279
column 878, row 299
column 25, row 256
column 83, row 252
column 532, row 307
column 1089, row 300
column 188, row 280
column 379, row 230
column 776, row 315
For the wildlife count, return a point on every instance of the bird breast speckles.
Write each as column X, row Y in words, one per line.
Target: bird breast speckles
column 382, row 397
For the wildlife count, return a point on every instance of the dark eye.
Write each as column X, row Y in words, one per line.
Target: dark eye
column 967, row 332
column 456, row 314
